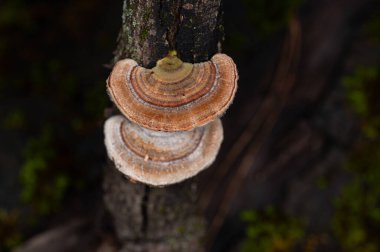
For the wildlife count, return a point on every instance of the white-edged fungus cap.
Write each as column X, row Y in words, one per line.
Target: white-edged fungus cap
column 161, row 158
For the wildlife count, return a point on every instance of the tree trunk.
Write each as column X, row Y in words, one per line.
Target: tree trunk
column 161, row 219
column 151, row 28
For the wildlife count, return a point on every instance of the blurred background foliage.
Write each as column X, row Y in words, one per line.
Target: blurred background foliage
column 357, row 218
column 53, row 57
column 271, row 230
column 52, row 100
column 355, row 225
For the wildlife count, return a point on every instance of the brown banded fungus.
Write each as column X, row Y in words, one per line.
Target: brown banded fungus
column 173, row 96
column 161, row 158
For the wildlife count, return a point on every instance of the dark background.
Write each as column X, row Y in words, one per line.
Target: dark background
column 314, row 183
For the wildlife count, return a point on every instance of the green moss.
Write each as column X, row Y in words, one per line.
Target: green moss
column 270, row 230
column 145, row 26
column 37, row 154
column 41, row 188
column 356, row 222
column 130, row 24
column 355, row 85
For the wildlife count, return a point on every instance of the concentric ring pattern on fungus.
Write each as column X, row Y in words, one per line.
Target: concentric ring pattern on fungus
column 161, row 158
column 173, row 99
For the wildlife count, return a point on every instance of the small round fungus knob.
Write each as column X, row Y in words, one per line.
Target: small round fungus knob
column 174, row 95
column 161, row 158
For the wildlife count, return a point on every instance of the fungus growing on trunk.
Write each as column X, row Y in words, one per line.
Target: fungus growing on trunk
column 161, row 158
column 173, row 96
column 171, row 130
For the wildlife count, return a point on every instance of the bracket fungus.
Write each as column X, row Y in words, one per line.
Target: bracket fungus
column 171, row 130
column 173, row 96
column 161, row 158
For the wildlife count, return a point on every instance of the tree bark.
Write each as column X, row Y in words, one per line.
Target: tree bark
column 161, row 219
column 153, row 219
column 151, row 28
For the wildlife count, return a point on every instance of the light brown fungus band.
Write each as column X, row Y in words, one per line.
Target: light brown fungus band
column 173, row 94
column 192, row 101
column 148, row 150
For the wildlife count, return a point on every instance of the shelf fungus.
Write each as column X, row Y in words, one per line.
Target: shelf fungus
column 174, row 95
column 171, row 129
column 161, row 158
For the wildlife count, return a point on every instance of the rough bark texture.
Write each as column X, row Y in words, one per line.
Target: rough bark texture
column 153, row 219
column 151, row 28
column 161, row 219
